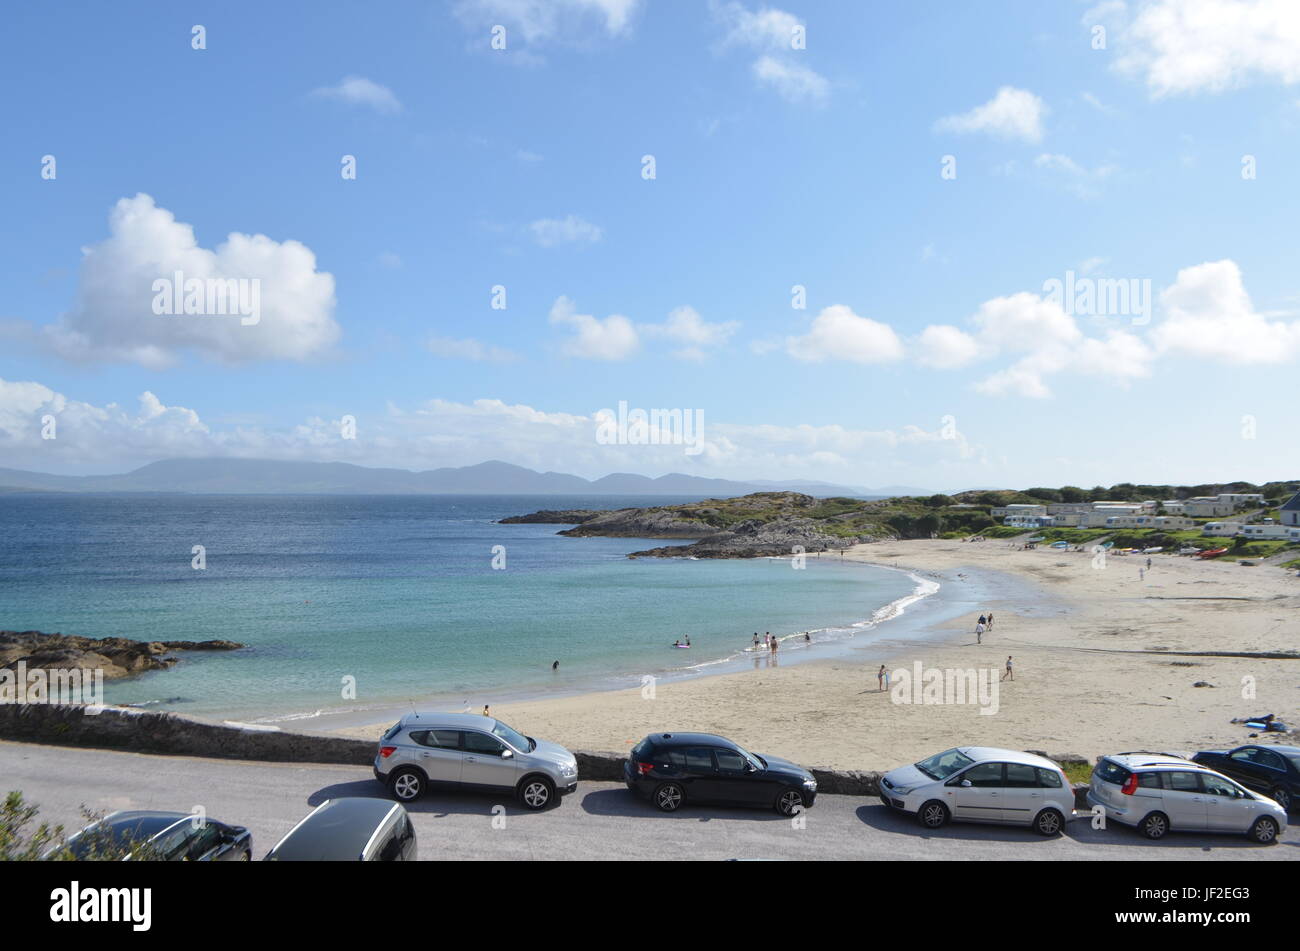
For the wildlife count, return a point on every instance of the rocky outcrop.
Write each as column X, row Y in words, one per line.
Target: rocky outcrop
column 553, row 517
column 115, row 656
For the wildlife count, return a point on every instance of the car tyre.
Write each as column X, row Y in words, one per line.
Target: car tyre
column 406, row 785
column 1049, row 822
column 933, row 814
column 1264, row 831
column 1155, row 825
column 1282, row 796
column 788, row 801
column 669, row 797
column 536, row 793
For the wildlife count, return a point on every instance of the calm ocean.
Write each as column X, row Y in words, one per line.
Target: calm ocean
column 399, row 593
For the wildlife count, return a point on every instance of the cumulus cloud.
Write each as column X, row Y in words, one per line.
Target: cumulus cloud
column 1011, row 114
column 944, row 347
column 113, row 317
column 838, row 333
column 614, row 338
column 686, row 327
column 1190, row 46
column 782, row 65
column 552, row 232
column 1209, row 314
column 359, row 91
column 794, row 82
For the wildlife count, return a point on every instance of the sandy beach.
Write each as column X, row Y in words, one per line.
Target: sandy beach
column 1096, row 661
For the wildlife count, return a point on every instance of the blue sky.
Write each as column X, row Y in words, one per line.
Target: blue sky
column 926, row 354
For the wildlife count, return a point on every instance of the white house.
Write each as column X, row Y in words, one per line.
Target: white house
column 1271, row 531
column 1028, row 521
column 1018, row 508
column 1066, row 519
column 1221, row 528
column 1167, row 522
column 1242, row 498
column 1206, row 506
column 1173, row 506
column 1290, row 512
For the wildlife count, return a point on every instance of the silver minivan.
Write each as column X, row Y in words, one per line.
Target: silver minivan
column 1160, row 792
column 471, row 752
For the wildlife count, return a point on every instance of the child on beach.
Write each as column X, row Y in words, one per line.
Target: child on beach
column 1008, row 671
column 881, row 677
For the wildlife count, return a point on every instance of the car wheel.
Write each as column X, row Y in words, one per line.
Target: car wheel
column 669, row 797
column 933, row 814
column 246, row 857
column 789, row 801
column 1049, row 822
column 1264, row 831
column 1155, row 825
column 536, row 792
column 1282, row 797
column 406, row 785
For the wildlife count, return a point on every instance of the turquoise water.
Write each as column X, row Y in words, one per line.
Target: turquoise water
column 400, row 594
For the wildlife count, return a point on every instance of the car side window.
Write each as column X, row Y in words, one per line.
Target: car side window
column 1268, row 758
column 1243, row 755
column 1183, row 782
column 1022, row 776
column 173, row 844
column 475, row 742
column 699, row 760
column 729, row 761
column 1214, row 786
column 985, row 775
column 1048, row 778
column 438, row 739
column 207, row 839
column 1151, row 780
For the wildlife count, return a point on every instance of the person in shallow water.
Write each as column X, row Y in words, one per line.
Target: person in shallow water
column 555, row 666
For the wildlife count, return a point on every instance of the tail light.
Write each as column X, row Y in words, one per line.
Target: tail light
column 1131, row 785
column 643, row 768
column 387, row 751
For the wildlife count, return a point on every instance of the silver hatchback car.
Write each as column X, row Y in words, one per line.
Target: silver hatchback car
column 1159, row 792
column 470, row 752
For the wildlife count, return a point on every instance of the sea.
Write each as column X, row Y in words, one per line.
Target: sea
column 355, row 603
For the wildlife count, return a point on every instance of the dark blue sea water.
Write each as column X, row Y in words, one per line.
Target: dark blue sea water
column 398, row 593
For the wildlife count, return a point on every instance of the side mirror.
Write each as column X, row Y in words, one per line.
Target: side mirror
column 751, row 768
column 507, row 754
column 965, row 784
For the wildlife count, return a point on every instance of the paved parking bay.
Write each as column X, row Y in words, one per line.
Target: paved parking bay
column 600, row 821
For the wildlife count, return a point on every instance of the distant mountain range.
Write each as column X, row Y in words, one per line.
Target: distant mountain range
column 268, row 477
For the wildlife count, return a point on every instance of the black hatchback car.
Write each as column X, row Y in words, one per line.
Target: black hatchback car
column 1271, row 770
column 671, row 769
column 164, row 836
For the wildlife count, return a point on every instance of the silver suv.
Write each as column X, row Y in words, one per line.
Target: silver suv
column 468, row 751
column 1157, row 792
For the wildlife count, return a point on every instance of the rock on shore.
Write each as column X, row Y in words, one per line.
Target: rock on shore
column 115, row 656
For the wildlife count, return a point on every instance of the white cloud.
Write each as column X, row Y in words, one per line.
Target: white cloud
column 792, row 81
column 113, row 319
column 1084, row 182
column 551, row 232
column 1190, row 46
column 944, row 347
column 469, row 349
column 359, row 91
column 542, row 21
column 685, row 326
column 1011, row 114
column 839, row 334
column 614, row 338
column 1209, row 314
column 764, row 29
column 1025, row 321
column 445, row 433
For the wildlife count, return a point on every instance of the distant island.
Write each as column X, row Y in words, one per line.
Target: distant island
column 766, row 524
column 271, row 477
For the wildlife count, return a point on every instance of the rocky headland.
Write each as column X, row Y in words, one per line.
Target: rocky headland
column 115, row 656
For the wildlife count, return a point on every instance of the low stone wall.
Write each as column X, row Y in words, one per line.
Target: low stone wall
column 170, row 734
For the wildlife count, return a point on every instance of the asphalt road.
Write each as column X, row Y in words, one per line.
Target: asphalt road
column 600, row 821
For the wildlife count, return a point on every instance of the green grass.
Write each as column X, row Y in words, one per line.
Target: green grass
column 1078, row 772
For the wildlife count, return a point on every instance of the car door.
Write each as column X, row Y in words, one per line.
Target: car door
column 438, row 753
column 204, row 844
column 1270, row 770
column 1245, row 765
column 483, row 763
column 977, row 793
column 1226, row 810
column 1183, row 800
column 700, row 775
column 1021, row 796
column 737, row 783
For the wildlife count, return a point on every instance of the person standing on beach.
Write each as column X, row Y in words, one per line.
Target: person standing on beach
column 774, row 645
column 487, row 712
column 880, row 678
column 982, row 620
column 1008, row 672
column 1148, row 564
column 756, row 639
column 989, row 625
column 979, row 633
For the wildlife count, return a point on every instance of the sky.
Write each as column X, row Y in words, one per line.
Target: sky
column 931, row 243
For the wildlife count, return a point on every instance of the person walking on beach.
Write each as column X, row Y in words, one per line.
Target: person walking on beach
column 989, row 625
column 1148, row 564
column 1008, row 672
column 982, row 620
column 979, row 633
column 774, row 645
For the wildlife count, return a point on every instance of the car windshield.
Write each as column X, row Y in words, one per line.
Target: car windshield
column 514, row 738
column 943, row 765
column 753, row 760
column 1294, row 758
